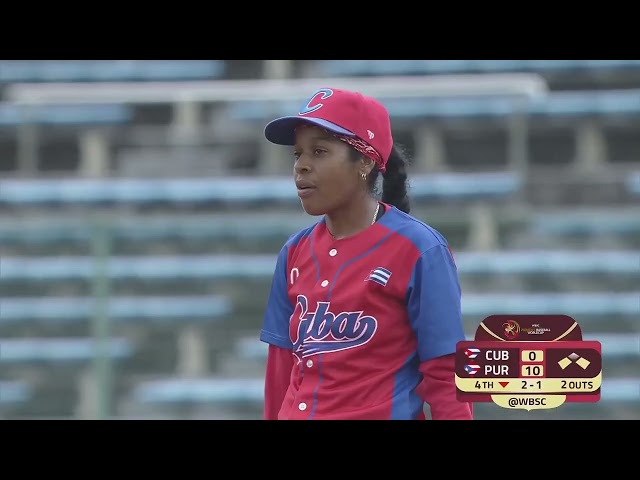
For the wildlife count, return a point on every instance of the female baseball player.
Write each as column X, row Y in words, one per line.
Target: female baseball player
column 363, row 315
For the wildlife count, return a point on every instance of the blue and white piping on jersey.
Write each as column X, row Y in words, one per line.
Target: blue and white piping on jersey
column 364, row 254
column 406, row 404
column 422, row 235
column 300, row 235
column 295, row 238
column 315, row 390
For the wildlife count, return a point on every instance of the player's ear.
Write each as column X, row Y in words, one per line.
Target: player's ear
column 366, row 164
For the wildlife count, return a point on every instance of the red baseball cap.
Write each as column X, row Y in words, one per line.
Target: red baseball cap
column 340, row 111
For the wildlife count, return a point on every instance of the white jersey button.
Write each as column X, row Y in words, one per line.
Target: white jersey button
column 309, row 363
column 333, row 252
column 325, row 283
column 302, row 406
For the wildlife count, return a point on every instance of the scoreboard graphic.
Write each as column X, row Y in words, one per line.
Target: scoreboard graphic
column 528, row 362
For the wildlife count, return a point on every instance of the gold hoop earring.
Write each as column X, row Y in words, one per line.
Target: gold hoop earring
column 364, row 175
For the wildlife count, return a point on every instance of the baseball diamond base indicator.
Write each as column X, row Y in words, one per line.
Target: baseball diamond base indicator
column 528, row 374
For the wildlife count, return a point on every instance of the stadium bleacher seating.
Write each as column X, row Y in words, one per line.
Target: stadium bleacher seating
column 228, row 190
column 14, row 392
column 12, row 115
column 55, row 351
column 200, row 390
column 149, row 268
column 405, row 67
column 133, row 309
column 431, row 125
column 108, row 70
column 592, row 222
column 633, row 184
column 555, row 104
column 191, row 256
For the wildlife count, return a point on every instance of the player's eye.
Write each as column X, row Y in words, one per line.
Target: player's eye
column 319, row 151
column 296, row 155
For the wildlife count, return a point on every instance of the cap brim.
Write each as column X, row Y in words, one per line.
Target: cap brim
column 281, row 131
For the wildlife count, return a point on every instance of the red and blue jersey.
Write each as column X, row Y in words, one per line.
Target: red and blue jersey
column 360, row 315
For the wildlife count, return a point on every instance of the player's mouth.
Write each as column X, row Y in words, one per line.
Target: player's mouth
column 305, row 192
column 305, row 189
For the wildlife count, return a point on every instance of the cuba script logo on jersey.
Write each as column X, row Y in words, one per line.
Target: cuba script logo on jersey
column 321, row 331
column 314, row 102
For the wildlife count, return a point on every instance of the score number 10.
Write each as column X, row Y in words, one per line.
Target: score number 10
column 531, row 356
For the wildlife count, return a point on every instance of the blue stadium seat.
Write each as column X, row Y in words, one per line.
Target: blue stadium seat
column 598, row 102
column 583, row 305
column 548, row 262
column 133, row 310
column 14, row 392
column 238, row 266
column 12, row 115
column 51, row 230
column 205, row 390
column 59, row 350
column 593, row 222
column 425, row 67
column 556, row 104
column 109, row 70
column 620, row 390
column 230, row 190
column 633, row 184
column 46, row 269
column 617, row 346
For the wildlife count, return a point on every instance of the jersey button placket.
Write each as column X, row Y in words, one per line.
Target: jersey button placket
column 332, row 253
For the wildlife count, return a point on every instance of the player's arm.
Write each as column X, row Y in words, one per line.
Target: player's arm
column 438, row 389
column 278, row 372
column 434, row 307
column 275, row 332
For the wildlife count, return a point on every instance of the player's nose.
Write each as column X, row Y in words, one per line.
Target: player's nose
column 301, row 166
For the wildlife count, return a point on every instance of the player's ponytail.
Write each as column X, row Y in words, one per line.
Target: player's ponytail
column 394, row 184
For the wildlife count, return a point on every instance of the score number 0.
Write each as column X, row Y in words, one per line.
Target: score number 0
column 532, row 356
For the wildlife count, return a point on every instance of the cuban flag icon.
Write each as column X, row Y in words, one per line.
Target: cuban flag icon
column 471, row 368
column 379, row 275
column 472, row 352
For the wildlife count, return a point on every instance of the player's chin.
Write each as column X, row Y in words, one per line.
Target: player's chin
column 313, row 206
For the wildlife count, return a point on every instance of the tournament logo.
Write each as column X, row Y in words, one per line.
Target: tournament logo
column 321, row 331
column 511, row 329
column 314, row 102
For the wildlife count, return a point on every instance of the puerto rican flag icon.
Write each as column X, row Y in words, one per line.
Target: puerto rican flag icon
column 471, row 368
column 472, row 352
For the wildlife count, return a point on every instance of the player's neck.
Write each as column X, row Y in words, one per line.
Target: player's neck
column 352, row 219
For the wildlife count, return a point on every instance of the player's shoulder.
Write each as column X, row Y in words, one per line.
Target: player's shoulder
column 422, row 235
column 297, row 237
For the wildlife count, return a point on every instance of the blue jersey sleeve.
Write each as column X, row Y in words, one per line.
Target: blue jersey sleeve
column 434, row 303
column 275, row 329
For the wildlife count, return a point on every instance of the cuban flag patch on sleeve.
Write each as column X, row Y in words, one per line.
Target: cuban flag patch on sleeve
column 379, row 275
